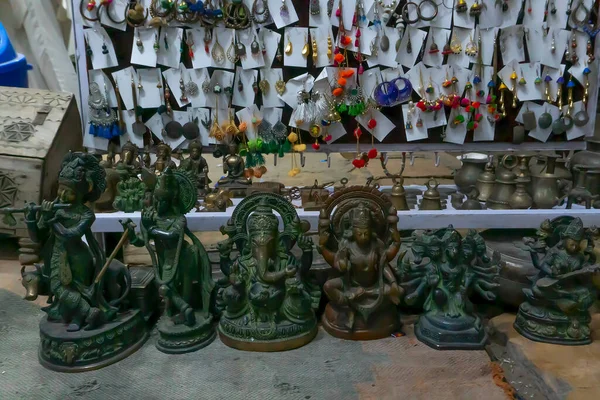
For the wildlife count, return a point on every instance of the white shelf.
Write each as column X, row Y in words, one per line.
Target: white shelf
column 408, row 220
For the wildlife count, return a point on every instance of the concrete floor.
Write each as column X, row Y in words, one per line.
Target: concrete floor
column 326, row 368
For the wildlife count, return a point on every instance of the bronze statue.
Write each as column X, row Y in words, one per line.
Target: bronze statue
column 234, row 167
column 446, row 268
column 163, row 159
column 182, row 269
column 358, row 237
column 267, row 300
column 197, row 166
column 87, row 325
column 130, row 189
column 557, row 306
column 216, row 201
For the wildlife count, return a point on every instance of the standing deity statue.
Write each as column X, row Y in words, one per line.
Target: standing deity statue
column 557, row 306
column 234, row 166
column 182, row 269
column 87, row 323
column 268, row 301
column 358, row 237
column 455, row 266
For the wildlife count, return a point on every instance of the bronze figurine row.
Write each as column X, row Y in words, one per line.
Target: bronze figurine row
column 100, row 311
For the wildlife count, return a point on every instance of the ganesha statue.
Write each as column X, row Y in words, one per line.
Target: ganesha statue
column 358, row 237
column 267, row 299
column 557, row 306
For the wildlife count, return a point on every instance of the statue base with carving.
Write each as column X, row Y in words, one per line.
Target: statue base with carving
column 545, row 325
column 85, row 350
column 557, row 307
column 383, row 323
column 285, row 335
column 180, row 338
column 441, row 333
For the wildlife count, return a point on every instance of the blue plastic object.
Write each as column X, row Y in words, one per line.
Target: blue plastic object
column 13, row 66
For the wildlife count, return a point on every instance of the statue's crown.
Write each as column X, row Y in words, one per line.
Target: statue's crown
column 361, row 217
column 263, row 218
column 574, row 230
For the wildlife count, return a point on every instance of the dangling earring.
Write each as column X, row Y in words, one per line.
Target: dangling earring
column 411, row 110
column 553, row 44
column 447, row 49
column 455, row 45
column 183, row 97
column 104, row 46
column 433, row 48
column 522, row 81
column 254, row 46
column 189, row 40
column 206, row 84
column 264, row 86
column 280, row 86
column 471, row 49
column 138, row 41
column 305, row 48
column 315, row 49
column 156, row 45
column 408, row 44
column 165, row 40
column 288, row 47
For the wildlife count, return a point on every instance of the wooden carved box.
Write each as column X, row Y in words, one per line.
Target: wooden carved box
column 37, row 128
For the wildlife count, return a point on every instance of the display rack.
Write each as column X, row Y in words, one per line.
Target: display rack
column 409, row 219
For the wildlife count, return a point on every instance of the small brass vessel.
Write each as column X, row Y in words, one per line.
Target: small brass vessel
column 505, row 184
column 520, row 199
column 485, row 182
column 431, row 197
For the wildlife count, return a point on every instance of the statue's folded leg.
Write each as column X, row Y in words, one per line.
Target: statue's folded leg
column 334, row 289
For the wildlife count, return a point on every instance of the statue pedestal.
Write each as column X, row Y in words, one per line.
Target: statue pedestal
column 180, row 338
column 265, row 336
column 237, row 190
column 444, row 333
column 83, row 350
column 545, row 325
column 381, row 324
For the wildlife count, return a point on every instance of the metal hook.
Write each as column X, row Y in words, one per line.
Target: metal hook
column 274, row 160
column 437, row 159
column 302, row 160
column 412, row 158
column 384, row 158
column 328, row 160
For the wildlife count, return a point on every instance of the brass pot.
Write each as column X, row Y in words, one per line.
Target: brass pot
column 590, row 157
column 505, row 184
column 431, row 197
column 485, row 182
column 466, row 176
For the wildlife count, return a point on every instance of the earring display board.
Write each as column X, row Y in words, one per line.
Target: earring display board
column 357, row 75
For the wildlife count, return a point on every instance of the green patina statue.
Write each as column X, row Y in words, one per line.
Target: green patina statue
column 131, row 190
column 557, row 306
column 455, row 267
column 87, row 325
column 358, row 237
column 268, row 302
column 182, row 269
